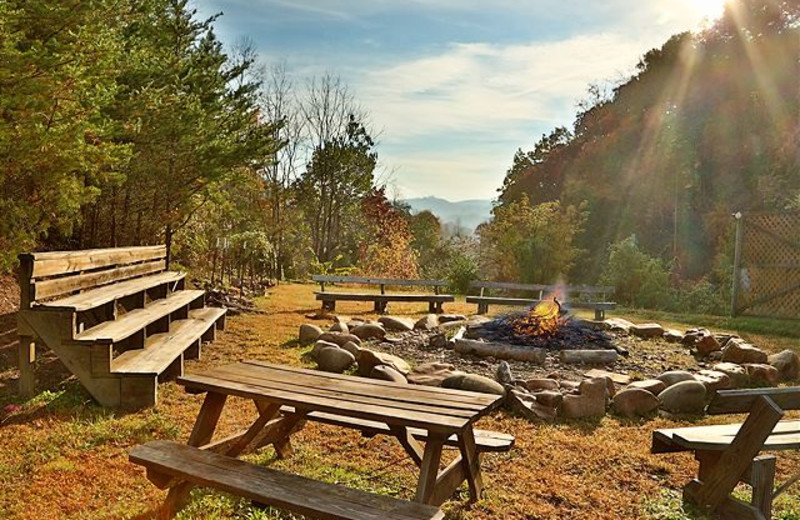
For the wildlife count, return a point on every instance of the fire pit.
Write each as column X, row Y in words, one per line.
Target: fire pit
column 547, row 326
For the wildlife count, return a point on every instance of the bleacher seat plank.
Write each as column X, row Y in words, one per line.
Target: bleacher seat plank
column 135, row 320
column 291, row 493
column 57, row 262
column 398, row 297
column 69, row 284
column 162, row 349
column 487, row 441
column 378, row 281
column 96, row 297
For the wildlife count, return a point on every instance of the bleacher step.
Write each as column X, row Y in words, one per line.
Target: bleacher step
column 134, row 321
column 162, row 349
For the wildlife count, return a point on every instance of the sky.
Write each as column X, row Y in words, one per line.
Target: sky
column 455, row 87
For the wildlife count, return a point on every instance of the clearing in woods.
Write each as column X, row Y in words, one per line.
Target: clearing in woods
column 61, row 456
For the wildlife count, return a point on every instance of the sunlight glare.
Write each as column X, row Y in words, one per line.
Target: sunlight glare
column 706, row 9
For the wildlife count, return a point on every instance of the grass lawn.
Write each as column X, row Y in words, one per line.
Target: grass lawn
column 61, row 456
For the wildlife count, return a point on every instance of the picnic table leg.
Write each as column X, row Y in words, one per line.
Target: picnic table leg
column 202, row 433
column 429, row 471
column 471, row 463
column 762, row 478
column 409, row 443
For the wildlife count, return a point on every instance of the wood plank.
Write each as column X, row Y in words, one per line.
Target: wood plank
column 376, row 297
column 59, row 262
column 309, row 393
column 522, row 302
column 358, row 388
column 162, row 349
column 763, row 417
column 378, row 281
column 58, row 286
column 434, row 391
column 305, row 403
column 138, row 319
column 588, row 289
column 96, row 297
column 289, row 492
column 487, row 441
column 741, row 401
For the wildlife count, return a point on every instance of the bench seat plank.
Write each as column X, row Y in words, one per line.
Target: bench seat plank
column 785, row 436
column 162, row 349
column 292, row 493
column 96, row 297
column 136, row 320
column 399, row 297
column 486, row 440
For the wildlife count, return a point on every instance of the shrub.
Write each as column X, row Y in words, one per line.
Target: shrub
column 640, row 279
column 461, row 270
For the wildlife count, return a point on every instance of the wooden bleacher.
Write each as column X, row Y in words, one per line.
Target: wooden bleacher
column 117, row 318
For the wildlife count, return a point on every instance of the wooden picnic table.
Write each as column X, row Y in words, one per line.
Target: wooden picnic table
column 285, row 396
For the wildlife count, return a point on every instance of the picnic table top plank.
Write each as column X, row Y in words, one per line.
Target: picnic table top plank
column 386, row 405
column 447, row 394
column 307, row 389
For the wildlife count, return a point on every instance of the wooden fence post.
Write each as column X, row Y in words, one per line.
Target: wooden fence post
column 737, row 259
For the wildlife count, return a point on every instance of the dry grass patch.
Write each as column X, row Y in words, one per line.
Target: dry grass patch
column 61, row 456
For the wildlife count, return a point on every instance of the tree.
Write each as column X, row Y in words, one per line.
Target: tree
column 56, row 74
column 386, row 250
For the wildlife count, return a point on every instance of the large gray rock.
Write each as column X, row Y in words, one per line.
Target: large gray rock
column 309, row 333
column 431, row 374
column 634, row 402
column 474, row 383
column 542, row 384
column 618, row 325
column 503, row 373
column 369, row 331
column 673, row 336
column 787, row 363
column 739, row 352
column 340, row 338
column 318, row 346
column 589, row 402
column 334, row 359
column 763, row 375
column 550, row 398
column 675, row 376
column 707, row 344
column 428, row 322
column 647, row 330
column 386, row 373
column 352, row 348
column 340, row 325
column 368, row 359
column 736, row 373
column 396, row 324
column 529, row 406
column 684, row 397
column 654, row 386
column 714, row 380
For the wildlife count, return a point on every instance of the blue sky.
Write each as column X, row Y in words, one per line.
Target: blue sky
column 456, row 86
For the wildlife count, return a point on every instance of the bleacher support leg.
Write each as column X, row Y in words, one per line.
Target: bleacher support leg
column 27, row 357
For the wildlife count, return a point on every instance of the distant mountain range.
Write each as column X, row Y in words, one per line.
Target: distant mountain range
column 467, row 214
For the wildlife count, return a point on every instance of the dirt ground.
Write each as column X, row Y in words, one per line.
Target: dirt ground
column 61, row 456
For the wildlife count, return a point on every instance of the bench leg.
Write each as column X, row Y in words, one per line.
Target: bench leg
column 429, row 471
column 202, row 433
column 483, row 308
column 599, row 315
column 432, row 308
column 762, row 478
column 471, row 462
column 329, row 305
column 27, row 357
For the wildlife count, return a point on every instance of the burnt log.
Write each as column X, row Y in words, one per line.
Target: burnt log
column 500, row 351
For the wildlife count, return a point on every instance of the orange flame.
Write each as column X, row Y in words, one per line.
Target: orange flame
column 543, row 320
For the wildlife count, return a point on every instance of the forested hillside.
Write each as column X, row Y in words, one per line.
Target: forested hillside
column 709, row 125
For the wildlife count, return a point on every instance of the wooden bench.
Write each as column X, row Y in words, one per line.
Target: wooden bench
column 729, row 453
column 381, row 301
column 117, row 318
column 166, row 461
column 486, row 441
column 575, row 297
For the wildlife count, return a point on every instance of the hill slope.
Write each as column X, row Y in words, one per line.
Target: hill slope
column 466, row 213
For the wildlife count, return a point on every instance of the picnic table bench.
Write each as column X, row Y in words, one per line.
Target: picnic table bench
column 590, row 297
column 286, row 398
column 381, row 300
column 729, row 453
